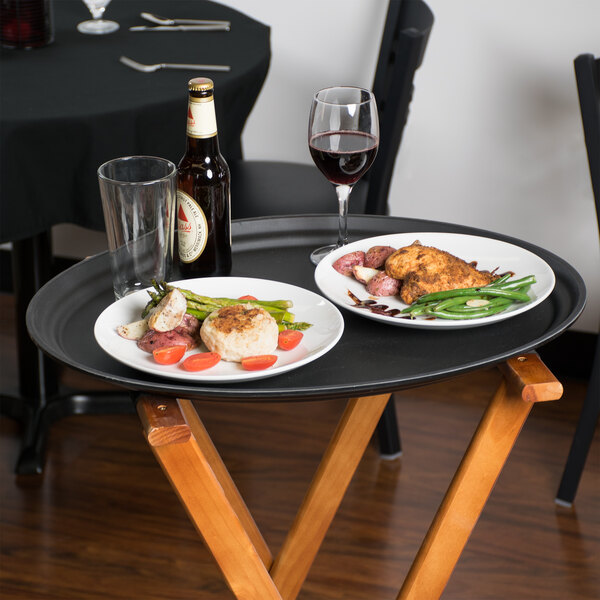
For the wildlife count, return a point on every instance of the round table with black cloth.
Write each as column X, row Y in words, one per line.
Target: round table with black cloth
column 68, row 107
column 370, row 361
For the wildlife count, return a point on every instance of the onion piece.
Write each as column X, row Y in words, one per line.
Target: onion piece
column 477, row 302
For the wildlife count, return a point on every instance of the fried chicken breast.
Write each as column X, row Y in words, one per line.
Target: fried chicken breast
column 424, row 269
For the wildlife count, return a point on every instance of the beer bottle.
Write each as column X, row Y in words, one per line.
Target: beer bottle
column 203, row 235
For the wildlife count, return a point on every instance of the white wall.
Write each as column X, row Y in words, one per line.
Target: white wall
column 494, row 137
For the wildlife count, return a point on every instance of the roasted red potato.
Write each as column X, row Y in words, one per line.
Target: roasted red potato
column 376, row 256
column 364, row 274
column 345, row 263
column 383, row 285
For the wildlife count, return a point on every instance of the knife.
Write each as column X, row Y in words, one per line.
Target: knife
column 166, row 21
column 181, row 28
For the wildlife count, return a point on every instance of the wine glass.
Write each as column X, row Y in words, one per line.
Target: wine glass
column 97, row 26
column 343, row 137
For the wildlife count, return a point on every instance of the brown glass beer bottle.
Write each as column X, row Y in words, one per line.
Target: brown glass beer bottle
column 203, row 233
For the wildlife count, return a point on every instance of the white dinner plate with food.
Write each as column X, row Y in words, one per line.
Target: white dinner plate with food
column 326, row 320
column 490, row 255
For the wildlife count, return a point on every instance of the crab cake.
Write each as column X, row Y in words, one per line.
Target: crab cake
column 239, row 331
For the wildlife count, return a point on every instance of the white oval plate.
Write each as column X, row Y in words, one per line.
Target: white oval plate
column 489, row 254
column 326, row 330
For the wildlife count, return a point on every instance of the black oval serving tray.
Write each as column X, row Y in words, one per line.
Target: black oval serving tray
column 370, row 358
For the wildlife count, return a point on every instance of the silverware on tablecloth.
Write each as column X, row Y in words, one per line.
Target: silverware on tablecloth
column 166, row 21
column 151, row 68
column 180, row 28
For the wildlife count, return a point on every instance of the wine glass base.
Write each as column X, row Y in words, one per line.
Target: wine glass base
column 316, row 256
column 98, row 27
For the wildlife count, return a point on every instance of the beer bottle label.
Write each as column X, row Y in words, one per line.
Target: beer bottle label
column 192, row 228
column 201, row 121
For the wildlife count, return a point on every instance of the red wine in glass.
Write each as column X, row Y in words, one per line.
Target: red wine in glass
column 343, row 156
column 343, row 137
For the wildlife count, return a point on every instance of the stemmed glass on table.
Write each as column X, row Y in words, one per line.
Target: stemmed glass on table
column 97, row 26
column 343, row 137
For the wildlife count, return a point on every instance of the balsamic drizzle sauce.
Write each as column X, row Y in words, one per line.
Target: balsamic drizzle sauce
column 379, row 309
column 384, row 309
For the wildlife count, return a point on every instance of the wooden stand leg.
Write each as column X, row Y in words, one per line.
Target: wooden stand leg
column 526, row 380
column 202, row 490
column 229, row 488
column 193, row 466
column 326, row 492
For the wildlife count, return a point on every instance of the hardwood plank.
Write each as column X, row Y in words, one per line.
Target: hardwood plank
column 88, row 528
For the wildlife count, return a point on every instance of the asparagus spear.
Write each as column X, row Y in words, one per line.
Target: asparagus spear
column 201, row 306
column 297, row 325
column 220, row 302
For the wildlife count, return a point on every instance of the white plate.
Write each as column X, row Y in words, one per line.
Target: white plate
column 326, row 330
column 489, row 254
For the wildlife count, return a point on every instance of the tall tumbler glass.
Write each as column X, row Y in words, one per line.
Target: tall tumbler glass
column 138, row 200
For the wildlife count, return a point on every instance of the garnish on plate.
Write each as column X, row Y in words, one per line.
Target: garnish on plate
column 176, row 320
column 461, row 303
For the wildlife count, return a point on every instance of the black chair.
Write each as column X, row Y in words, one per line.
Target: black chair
column 587, row 74
column 278, row 188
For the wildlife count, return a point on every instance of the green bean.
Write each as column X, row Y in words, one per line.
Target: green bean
column 471, row 309
column 455, row 300
column 415, row 311
column 472, row 315
column 445, row 294
column 485, row 291
column 452, row 304
column 501, row 280
column 518, row 283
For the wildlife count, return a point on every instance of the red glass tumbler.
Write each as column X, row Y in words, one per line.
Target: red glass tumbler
column 26, row 23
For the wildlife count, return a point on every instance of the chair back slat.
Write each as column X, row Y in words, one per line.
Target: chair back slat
column 406, row 32
column 587, row 74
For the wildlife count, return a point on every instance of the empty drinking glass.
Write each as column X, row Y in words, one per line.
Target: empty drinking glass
column 138, row 199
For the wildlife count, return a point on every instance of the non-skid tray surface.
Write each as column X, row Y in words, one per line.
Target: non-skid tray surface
column 370, row 357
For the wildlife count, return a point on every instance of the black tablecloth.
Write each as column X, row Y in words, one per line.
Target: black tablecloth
column 68, row 107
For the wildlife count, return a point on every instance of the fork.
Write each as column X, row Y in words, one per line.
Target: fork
column 151, row 68
column 180, row 28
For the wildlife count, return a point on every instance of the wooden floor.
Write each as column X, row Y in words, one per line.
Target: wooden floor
column 103, row 522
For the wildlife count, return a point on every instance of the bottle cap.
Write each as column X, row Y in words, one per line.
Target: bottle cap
column 200, row 84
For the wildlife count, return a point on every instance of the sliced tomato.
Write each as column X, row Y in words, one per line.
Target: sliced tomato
column 247, row 297
column 169, row 355
column 289, row 339
column 201, row 361
column 258, row 363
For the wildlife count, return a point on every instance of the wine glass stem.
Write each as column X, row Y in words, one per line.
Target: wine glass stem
column 97, row 13
column 343, row 193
